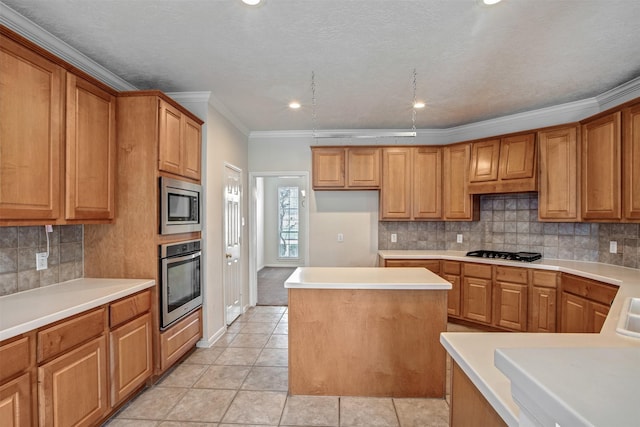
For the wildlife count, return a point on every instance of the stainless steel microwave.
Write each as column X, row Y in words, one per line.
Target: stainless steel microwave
column 180, row 206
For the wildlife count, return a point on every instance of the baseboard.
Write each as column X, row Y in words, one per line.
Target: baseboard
column 207, row 343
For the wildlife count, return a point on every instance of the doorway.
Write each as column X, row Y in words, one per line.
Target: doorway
column 279, row 239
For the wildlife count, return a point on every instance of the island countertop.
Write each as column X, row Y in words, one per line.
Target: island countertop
column 410, row 278
column 24, row 311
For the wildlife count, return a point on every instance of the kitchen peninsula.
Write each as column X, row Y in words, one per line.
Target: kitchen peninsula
column 366, row 332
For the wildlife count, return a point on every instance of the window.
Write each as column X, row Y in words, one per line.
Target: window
column 288, row 222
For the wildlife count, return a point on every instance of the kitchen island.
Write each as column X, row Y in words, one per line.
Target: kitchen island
column 357, row 331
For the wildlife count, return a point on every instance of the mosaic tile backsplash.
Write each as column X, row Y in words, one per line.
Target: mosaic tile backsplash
column 509, row 222
column 18, row 248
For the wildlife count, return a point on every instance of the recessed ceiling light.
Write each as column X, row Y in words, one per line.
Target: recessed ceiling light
column 251, row 2
column 419, row 104
column 490, row 2
column 294, row 105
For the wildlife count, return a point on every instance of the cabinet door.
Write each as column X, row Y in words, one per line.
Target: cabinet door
column 542, row 309
column 601, row 175
column 363, row 167
column 170, row 139
column 192, row 144
column 90, row 151
column 32, row 114
column 395, row 197
column 558, row 186
column 517, row 157
column 597, row 314
column 131, row 357
column 574, row 314
column 485, row 156
column 631, row 122
column 72, row 389
column 15, row 402
column 453, row 299
column 458, row 204
column 476, row 303
column 510, row 306
column 328, row 167
column 427, row 183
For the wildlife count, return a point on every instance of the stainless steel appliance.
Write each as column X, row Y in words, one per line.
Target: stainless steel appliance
column 181, row 278
column 180, row 206
column 511, row 256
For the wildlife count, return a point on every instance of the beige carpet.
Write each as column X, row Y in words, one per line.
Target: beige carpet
column 271, row 290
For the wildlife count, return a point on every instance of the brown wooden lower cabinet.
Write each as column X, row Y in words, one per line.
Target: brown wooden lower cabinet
column 584, row 304
column 542, row 309
column 176, row 341
column 15, row 402
column 510, row 306
column 72, row 388
column 468, row 407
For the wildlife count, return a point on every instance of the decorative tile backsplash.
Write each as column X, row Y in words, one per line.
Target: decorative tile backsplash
column 18, row 248
column 509, row 222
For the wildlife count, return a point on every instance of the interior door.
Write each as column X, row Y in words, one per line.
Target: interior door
column 232, row 242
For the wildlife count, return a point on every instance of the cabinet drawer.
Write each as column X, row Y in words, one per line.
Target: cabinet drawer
column 14, row 357
column 477, row 270
column 451, row 267
column 70, row 333
column 512, row 275
column 176, row 341
column 545, row 279
column 129, row 307
column 431, row 265
column 590, row 289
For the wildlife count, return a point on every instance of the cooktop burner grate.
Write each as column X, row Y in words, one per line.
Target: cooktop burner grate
column 511, row 256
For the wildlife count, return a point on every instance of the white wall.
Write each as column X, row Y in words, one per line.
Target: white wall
column 352, row 213
column 225, row 143
column 259, row 198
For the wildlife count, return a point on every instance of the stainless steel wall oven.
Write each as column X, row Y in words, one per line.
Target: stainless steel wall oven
column 181, row 280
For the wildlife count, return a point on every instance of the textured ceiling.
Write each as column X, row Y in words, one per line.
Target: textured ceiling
column 473, row 62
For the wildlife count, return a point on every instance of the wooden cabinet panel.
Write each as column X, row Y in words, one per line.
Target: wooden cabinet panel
column 66, row 335
column 363, row 167
column 427, row 183
column 484, row 161
column 542, row 309
column 15, row 402
column 32, row 112
column 15, row 356
column 192, row 156
column 590, row 289
column 468, row 406
column 177, row 340
column 451, row 267
column 512, row 275
column 476, row 301
column 170, row 136
column 431, row 265
column 573, row 313
column 459, row 205
column 517, row 157
column 484, row 271
column 510, row 306
column 601, row 174
column 631, row 123
column 454, row 295
column 131, row 357
column 558, row 197
column 328, row 167
column 72, row 389
column 129, row 307
column 90, row 151
column 596, row 315
column 395, row 197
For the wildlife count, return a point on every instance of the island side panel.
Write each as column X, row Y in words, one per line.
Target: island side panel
column 345, row 342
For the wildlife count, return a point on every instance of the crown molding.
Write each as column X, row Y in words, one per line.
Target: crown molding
column 199, row 101
column 33, row 32
column 227, row 114
column 618, row 95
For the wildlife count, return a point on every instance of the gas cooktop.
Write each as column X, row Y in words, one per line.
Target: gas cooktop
column 511, row 256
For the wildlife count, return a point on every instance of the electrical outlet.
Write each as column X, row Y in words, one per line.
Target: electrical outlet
column 394, row 238
column 340, row 237
column 613, row 247
column 41, row 261
column 459, row 238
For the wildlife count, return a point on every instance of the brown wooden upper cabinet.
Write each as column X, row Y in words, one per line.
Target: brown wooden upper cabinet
column 180, row 140
column 35, row 136
column 503, row 165
column 458, row 204
column 631, row 167
column 558, row 196
column 346, row 168
column 411, row 183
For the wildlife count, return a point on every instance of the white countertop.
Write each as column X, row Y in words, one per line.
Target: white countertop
column 365, row 278
column 475, row 352
column 24, row 311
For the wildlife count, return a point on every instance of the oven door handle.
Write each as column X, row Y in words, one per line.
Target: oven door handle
column 170, row 260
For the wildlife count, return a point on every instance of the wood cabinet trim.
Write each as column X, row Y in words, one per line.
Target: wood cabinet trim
column 129, row 307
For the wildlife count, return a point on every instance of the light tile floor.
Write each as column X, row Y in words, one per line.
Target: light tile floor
column 242, row 381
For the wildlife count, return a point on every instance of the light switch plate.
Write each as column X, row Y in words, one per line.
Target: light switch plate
column 613, row 247
column 394, row 238
column 459, row 238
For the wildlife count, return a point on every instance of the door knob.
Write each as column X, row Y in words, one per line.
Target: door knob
column 227, row 256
